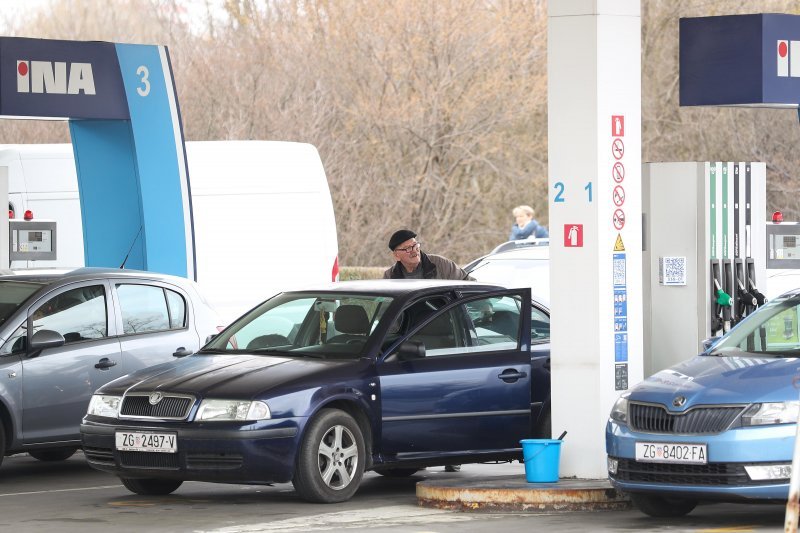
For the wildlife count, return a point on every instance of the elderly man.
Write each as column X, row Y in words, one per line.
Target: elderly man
column 415, row 264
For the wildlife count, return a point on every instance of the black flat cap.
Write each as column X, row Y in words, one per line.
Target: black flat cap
column 399, row 237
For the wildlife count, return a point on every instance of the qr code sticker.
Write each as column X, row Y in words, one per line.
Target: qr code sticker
column 618, row 273
column 672, row 270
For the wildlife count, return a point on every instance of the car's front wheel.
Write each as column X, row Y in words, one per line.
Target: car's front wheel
column 56, row 454
column 151, row 487
column 330, row 461
column 662, row 506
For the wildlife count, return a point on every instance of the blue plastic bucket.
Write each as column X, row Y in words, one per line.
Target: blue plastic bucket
column 541, row 458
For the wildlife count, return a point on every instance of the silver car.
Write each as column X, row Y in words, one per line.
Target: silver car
column 64, row 334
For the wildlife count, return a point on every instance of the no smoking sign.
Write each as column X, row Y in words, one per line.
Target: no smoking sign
column 619, row 219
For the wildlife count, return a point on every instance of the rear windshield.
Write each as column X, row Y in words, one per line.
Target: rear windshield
column 13, row 294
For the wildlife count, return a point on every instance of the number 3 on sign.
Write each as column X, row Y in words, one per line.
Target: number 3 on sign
column 144, row 75
column 559, row 187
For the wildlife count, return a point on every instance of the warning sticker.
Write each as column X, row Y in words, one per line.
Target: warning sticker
column 619, row 246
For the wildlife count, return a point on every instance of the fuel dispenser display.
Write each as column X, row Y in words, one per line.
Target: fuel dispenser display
column 714, row 215
column 32, row 240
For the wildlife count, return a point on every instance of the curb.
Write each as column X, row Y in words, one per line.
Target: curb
column 514, row 494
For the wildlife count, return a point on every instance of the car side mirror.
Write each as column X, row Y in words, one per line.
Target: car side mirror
column 411, row 350
column 45, row 338
column 709, row 343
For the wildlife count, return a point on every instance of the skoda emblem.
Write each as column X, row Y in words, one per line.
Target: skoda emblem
column 677, row 402
column 157, row 396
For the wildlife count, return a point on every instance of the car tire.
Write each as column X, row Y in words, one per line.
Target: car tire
column 151, row 487
column 55, row 454
column 397, row 472
column 662, row 506
column 330, row 460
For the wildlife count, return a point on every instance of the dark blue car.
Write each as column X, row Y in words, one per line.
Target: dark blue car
column 315, row 387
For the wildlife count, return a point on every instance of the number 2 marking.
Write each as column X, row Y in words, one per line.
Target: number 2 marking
column 560, row 194
column 144, row 73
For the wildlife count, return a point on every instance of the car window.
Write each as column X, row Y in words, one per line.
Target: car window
column 16, row 342
column 540, row 326
column 441, row 336
column 177, row 309
column 13, row 294
column 313, row 325
column 495, row 323
column 78, row 314
column 144, row 308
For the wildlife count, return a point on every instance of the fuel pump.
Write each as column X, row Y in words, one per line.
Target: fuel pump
column 698, row 212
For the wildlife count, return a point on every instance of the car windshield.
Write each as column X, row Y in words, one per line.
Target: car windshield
column 325, row 325
column 772, row 330
column 13, row 294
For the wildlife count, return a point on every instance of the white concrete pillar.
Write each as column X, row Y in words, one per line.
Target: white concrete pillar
column 594, row 151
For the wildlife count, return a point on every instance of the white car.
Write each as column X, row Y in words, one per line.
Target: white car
column 522, row 263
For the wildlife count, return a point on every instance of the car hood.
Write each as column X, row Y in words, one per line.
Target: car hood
column 228, row 376
column 709, row 380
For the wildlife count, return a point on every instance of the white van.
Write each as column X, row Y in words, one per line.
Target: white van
column 262, row 215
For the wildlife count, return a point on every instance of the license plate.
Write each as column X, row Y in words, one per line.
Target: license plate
column 664, row 452
column 136, row 441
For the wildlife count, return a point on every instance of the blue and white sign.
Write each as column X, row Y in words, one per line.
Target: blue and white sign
column 60, row 79
column 127, row 137
column 740, row 60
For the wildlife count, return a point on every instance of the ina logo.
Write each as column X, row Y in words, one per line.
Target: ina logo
column 54, row 77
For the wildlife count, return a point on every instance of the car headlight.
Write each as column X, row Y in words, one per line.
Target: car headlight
column 619, row 412
column 232, row 410
column 764, row 414
column 104, row 405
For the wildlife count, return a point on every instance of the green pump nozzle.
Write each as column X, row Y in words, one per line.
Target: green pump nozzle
column 723, row 298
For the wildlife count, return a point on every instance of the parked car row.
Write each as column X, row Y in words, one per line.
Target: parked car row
column 320, row 385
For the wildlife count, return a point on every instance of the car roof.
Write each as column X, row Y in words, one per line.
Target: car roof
column 521, row 243
column 399, row 287
column 50, row 275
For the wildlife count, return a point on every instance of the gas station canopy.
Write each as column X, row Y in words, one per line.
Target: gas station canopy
column 740, row 60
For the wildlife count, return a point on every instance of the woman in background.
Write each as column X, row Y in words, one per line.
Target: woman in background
column 526, row 226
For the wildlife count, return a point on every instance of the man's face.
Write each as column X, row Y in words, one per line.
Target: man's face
column 408, row 254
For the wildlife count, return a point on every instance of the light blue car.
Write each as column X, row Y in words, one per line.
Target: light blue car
column 719, row 426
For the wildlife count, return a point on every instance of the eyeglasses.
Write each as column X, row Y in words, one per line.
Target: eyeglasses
column 414, row 247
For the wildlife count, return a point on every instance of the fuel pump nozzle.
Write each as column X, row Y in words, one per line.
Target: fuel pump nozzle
column 760, row 298
column 724, row 301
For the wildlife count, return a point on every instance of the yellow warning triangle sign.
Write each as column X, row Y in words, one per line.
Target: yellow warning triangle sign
column 618, row 246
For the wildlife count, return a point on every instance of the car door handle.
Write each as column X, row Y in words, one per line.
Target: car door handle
column 182, row 352
column 105, row 363
column 510, row 376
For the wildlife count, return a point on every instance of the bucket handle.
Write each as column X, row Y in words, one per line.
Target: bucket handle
column 535, row 455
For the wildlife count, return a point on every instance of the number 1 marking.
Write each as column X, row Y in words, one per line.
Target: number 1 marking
column 589, row 189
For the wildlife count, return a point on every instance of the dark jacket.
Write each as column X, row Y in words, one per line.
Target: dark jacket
column 433, row 267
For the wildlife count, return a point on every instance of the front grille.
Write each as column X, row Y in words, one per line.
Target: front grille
column 155, row 460
column 696, row 421
column 170, row 407
column 712, row 474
